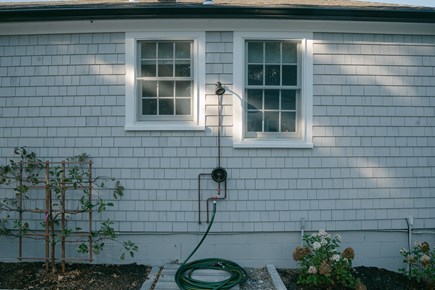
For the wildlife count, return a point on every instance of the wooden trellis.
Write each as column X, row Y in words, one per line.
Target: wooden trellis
column 51, row 214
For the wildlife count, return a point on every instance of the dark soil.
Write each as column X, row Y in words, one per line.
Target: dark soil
column 373, row 278
column 132, row 276
column 77, row 276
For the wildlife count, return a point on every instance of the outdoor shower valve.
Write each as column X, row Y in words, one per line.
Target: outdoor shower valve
column 219, row 174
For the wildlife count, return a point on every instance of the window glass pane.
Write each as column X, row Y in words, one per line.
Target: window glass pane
column 165, row 80
column 272, row 67
column 147, row 50
column 289, row 75
column 271, row 99
column 149, row 106
column 165, row 50
column 273, row 75
column 149, row 89
column 165, row 68
column 182, row 106
column 182, row 50
column 182, row 68
column 166, row 89
column 255, row 74
column 166, row 106
column 271, row 121
column 289, row 52
column 148, row 68
column 255, row 52
column 254, row 121
column 273, row 53
column 255, row 99
column 183, row 89
column 288, row 100
column 288, row 122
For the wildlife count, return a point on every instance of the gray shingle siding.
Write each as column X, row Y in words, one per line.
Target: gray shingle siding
column 372, row 163
column 374, row 118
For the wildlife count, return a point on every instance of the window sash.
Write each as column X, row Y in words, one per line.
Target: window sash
column 160, row 102
column 287, row 116
column 269, row 122
column 257, row 68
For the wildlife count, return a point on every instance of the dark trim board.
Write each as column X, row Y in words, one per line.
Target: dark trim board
column 95, row 12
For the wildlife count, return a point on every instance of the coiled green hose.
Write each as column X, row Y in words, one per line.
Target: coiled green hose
column 184, row 279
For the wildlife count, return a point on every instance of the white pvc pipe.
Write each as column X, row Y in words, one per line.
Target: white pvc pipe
column 410, row 222
column 303, row 221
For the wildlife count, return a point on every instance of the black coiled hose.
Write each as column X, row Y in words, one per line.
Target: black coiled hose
column 184, row 279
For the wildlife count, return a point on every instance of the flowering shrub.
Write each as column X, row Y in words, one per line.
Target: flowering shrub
column 421, row 262
column 322, row 265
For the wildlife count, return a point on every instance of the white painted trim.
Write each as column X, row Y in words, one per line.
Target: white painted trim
column 181, row 25
column 272, row 144
column 131, row 122
column 155, row 126
column 306, row 47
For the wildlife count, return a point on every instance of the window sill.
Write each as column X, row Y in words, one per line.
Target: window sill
column 258, row 143
column 163, row 126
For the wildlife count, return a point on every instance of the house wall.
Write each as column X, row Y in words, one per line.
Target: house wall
column 372, row 164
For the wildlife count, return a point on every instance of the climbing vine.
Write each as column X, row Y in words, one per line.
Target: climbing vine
column 70, row 189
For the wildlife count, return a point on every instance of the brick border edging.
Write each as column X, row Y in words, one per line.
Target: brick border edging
column 276, row 279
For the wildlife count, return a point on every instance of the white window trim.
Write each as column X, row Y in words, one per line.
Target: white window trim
column 131, row 101
column 306, row 48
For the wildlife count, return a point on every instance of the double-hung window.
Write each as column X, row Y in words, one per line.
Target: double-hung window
column 273, row 90
column 164, row 81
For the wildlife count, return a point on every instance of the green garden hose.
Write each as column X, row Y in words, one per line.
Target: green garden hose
column 184, row 279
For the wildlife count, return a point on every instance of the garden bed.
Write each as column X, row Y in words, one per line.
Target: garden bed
column 77, row 276
column 373, row 278
column 132, row 277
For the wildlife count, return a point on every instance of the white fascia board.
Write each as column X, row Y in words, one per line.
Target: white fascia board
column 20, row 28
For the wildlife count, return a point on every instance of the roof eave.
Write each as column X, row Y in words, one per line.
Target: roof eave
column 297, row 13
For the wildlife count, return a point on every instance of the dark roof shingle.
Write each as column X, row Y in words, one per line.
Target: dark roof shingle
column 271, row 9
column 239, row 3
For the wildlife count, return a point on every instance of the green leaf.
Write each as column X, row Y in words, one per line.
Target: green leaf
column 83, row 248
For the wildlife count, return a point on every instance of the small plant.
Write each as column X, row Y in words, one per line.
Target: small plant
column 322, row 265
column 421, row 263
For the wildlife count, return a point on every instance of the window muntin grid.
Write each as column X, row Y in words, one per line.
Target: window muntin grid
column 272, row 87
column 165, row 80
